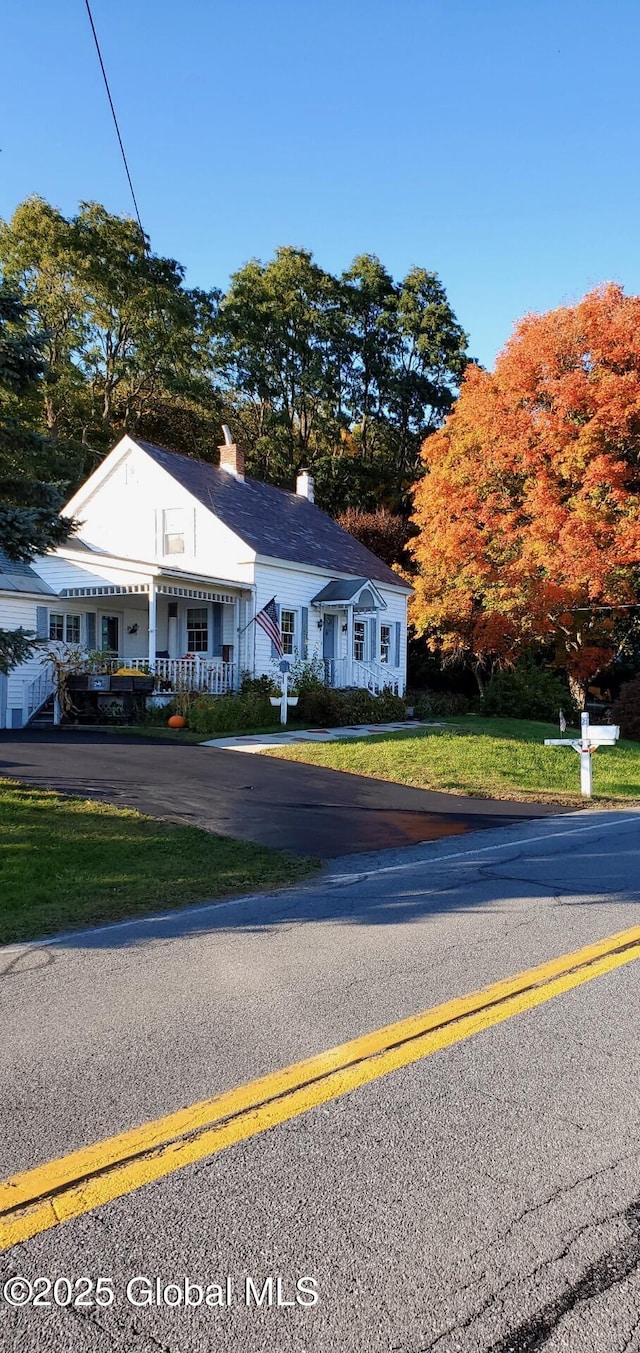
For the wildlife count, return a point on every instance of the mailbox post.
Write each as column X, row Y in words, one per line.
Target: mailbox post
column 600, row 735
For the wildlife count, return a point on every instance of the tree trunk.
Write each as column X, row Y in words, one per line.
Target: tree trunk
column 578, row 690
column 478, row 680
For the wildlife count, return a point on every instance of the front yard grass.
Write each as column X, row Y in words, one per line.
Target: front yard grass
column 490, row 758
column 67, row 863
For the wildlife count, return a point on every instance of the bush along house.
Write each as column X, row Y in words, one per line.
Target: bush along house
column 173, row 560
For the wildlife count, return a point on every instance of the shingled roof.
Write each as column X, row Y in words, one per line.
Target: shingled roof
column 274, row 523
column 16, row 576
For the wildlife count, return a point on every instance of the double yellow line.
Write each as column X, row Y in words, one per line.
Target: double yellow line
column 50, row 1194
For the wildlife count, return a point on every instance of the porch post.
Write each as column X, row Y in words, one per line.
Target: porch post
column 152, row 625
column 349, row 665
column 235, row 669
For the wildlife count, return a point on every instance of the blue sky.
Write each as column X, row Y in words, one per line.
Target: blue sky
column 493, row 141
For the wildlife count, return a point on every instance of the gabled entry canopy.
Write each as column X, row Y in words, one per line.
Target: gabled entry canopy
column 360, row 593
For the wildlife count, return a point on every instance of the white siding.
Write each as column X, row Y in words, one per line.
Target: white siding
column 15, row 612
column 294, row 588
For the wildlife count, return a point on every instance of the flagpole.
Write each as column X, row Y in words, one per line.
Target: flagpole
column 253, row 618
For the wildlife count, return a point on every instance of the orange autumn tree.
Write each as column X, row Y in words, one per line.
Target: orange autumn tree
column 529, row 513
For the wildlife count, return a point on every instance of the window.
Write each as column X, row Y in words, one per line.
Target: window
column 173, row 530
column 72, row 629
column 288, row 630
column 359, row 640
column 197, row 629
column 64, row 628
column 385, row 643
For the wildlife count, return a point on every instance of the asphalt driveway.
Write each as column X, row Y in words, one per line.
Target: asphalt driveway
column 305, row 809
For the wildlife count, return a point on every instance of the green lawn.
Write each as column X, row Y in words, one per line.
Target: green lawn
column 68, row 863
column 495, row 758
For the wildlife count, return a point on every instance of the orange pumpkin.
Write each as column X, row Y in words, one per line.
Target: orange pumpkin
column 176, row 721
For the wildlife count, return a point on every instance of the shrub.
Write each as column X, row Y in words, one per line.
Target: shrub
column 230, row 713
column 440, row 704
column 250, row 685
column 321, row 705
column 307, row 676
column 626, row 710
column 527, row 692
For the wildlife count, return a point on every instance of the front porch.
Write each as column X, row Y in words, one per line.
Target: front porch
column 189, row 637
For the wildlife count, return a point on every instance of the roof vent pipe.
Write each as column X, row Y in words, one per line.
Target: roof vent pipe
column 304, row 485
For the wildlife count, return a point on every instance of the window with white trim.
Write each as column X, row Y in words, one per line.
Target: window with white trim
column 288, row 631
column 198, row 629
column 173, row 524
column 385, row 643
column 64, row 628
column 359, row 640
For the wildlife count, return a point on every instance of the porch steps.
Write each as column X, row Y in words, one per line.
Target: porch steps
column 44, row 716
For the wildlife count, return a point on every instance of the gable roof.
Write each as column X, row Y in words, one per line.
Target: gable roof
column 16, row 576
column 271, row 521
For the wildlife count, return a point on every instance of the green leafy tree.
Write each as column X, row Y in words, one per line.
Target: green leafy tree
column 123, row 335
column 346, row 374
column 29, row 500
column 280, row 326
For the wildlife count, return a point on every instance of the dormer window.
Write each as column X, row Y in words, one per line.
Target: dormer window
column 173, row 530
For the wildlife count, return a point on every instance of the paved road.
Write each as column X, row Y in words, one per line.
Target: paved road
column 306, row 809
column 482, row 1200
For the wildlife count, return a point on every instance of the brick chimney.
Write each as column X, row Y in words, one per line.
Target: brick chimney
column 304, row 485
column 231, row 457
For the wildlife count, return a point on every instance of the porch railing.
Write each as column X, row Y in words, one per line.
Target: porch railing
column 195, row 674
column 369, row 676
column 375, row 676
column 36, row 694
column 209, row 675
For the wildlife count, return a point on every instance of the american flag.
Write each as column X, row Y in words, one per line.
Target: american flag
column 267, row 619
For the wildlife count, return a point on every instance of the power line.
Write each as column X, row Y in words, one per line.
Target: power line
column 145, row 244
column 113, row 114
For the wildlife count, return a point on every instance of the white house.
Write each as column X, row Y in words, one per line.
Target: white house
column 173, row 560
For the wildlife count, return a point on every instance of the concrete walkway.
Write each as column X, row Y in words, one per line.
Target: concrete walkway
column 261, row 742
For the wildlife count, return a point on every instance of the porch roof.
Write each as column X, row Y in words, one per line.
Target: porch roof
column 167, row 587
column 348, row 591
column 17, row 576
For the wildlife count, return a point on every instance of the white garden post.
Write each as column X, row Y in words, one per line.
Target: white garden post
column 284, row 700
column 600, row 735
column 586, row 775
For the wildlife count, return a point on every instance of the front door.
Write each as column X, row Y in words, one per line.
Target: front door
column 329, row 638
column 110, row 633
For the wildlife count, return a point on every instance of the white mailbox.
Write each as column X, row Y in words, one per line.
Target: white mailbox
column 591, row 737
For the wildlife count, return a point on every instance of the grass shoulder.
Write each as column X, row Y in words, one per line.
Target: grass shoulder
column 491, row 758
column 67, row 863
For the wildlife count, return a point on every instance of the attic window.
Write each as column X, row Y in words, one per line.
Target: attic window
column 173, row 530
